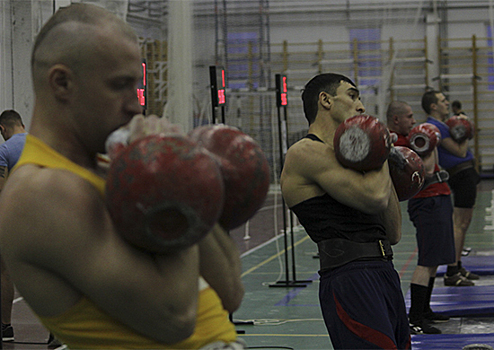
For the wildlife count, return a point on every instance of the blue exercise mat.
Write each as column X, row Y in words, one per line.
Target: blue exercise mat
column 461, row 301
column 479, row 264
column 449, row 341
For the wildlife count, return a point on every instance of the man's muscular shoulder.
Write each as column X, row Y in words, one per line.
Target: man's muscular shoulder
column 304, row 161
column 36, row 200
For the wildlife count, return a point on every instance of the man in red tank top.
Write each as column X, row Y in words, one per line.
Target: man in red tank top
column 430, row 211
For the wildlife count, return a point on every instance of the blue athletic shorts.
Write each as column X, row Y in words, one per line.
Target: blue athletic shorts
column 433, row 220
column 464, row 187
column 363, row 306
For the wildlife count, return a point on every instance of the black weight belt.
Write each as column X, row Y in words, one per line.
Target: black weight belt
column 336, row 252
column 460, row 167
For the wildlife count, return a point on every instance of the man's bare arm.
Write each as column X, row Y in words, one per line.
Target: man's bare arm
column 455, row 148
column 316, row 163
column 392, row 218
column 75, row 248
column 221, row 267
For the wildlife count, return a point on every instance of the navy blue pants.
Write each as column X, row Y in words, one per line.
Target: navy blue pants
column 363, row 306
column 433, row 219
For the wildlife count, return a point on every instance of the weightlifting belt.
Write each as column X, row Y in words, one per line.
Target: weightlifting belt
column 460, row 167
column 439, row 176
column 336, row 252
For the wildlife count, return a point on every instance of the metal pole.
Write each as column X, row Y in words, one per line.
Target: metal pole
column 287, row 282
column 283, row 205
column 291, row 214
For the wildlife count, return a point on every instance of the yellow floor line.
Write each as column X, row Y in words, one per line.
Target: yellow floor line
column 272, row 257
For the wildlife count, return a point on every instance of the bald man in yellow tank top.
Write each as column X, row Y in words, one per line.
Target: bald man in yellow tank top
column 90, row 288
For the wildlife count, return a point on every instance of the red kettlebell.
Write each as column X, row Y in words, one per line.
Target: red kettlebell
column 460, row 128
column 407, row 172
column 244, row 168
column 424, row 138
column 164, row 193
column 362, row 143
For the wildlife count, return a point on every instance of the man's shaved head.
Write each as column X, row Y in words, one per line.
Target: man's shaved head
column 71, row 34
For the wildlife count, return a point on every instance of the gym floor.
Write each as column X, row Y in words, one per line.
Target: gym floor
column 280, row 308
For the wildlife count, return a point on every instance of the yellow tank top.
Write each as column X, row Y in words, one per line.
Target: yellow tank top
column 85, row 325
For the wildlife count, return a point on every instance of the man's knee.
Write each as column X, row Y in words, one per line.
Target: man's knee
column 462, row 218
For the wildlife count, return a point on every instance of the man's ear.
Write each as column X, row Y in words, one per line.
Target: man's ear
column 325, row 100
column 61, row 82
column 395, row 119
column 3, row 131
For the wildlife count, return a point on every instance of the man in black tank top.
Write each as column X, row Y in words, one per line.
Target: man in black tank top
column 354, row 217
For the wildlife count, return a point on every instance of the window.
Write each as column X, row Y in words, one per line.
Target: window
column 243, row 67
column 369, row 58
column 490, row 60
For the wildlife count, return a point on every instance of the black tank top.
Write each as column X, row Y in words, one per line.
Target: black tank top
column 323, row 217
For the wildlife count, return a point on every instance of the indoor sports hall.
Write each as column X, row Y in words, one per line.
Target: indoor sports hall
column 281, row 311
column 244, row 63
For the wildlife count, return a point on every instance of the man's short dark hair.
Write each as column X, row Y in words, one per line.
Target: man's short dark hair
column 327, row 82
column 428, row 99
column 456, row 104
column 10, row 118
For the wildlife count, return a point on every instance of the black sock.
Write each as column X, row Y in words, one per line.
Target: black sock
column 430, row 287
column 452, row 270
column 418, row 297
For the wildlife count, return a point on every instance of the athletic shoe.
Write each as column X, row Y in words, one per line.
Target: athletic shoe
column 457, row 280
column 423, row 327
column 466, row 251
column 7, row 332
column 433, row 317
column 468, row 275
